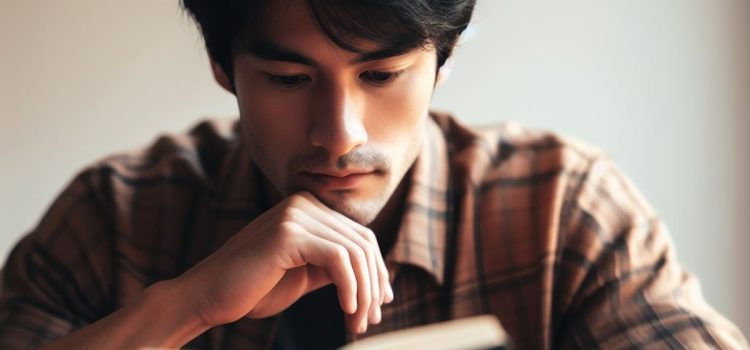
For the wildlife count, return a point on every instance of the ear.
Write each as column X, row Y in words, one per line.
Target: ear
column 221, row 77
column 444, row 72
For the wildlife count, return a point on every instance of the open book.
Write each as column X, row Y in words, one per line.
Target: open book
column 480, row 332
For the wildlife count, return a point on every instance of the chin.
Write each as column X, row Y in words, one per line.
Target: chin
column 362, row 211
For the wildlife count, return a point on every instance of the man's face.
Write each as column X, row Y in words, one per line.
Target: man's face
column 329, row 121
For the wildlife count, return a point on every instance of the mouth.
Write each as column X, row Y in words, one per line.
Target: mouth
column 336, row 180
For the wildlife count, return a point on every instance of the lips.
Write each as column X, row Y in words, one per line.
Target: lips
column 336, row 180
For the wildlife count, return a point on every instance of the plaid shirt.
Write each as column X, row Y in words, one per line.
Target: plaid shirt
column 542, row 231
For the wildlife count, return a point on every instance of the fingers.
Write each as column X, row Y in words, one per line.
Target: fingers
column 342, row 230
column 363, row 264
column 334, row 258
column 375, row 264
column 383, row 275
column 386, row 292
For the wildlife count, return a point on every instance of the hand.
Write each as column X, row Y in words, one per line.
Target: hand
column 295, row 247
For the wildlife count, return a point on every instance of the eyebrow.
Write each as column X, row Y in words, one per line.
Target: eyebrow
column 270, row 51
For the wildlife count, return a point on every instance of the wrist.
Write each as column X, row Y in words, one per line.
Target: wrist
column 159, row 317
column 174, row 312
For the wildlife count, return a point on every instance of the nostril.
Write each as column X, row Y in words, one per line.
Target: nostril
column 338, row 125
column 338, row 136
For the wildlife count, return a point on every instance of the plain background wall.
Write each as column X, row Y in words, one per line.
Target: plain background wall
column 663, row 86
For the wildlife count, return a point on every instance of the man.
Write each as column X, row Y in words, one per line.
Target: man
column 339, row 207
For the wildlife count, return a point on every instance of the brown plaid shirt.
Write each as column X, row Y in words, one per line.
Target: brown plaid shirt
column 542, row 231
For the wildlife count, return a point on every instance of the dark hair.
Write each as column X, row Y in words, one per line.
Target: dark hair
column 399, row 24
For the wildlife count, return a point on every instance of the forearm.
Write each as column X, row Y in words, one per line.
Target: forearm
column 158, row 317
column 296, row 247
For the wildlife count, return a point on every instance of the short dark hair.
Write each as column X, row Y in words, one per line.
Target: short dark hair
column 402, row 25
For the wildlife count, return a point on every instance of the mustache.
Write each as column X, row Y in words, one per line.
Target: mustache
column 358, row 158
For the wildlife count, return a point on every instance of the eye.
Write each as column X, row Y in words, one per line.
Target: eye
column 287, row 81
column 380, row 77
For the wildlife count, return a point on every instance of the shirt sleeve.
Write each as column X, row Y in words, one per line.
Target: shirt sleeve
column 627, row 290
column 57, row 278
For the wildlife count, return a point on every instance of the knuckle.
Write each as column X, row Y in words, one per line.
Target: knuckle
column 288, row 230
column 291, row 214
column 370, row 235
column 367, row 302
column 340, row 254
column 304, row 197
column 369, row 252
column 296, row 199
column 359, row 254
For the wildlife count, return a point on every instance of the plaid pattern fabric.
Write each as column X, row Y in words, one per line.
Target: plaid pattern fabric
column 542, row 231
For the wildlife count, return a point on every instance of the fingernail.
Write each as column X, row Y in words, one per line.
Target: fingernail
column 389, row 293
column 378, row 315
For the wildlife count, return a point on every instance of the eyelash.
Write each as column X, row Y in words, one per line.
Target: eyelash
column 299, row 79
column 390, row 76
column 280, row 80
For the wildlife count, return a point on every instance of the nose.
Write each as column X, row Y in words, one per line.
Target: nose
column 338, row 120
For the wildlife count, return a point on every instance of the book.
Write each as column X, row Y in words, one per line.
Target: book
column 479, row 332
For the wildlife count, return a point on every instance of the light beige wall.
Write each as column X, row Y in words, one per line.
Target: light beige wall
column 663, row 86
column 83, row 78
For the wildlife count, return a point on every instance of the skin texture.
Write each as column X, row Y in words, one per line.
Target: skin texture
column 334, row 138
column 337, row 120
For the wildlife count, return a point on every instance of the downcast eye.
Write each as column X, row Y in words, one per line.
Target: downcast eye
column 380, row 77
column 288, row 80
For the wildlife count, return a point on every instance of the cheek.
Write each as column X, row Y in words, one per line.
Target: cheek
column 396, row 118
column 272, row 128
column 276, row 122
column 266, row 112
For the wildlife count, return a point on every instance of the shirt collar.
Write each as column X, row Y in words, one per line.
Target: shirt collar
column 421, row 238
